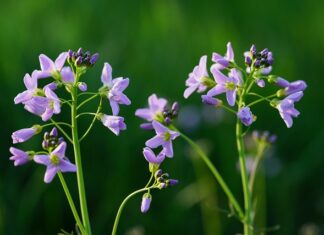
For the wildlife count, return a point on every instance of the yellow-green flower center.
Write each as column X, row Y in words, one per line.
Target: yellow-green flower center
column 55, row 160
column 230, row 86
column 167, row 136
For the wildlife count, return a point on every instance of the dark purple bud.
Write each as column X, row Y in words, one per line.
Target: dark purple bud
column 60, row 140
column 147, row 126
column 158, row 173
column 270, row 58
column 54, row 132
column 257, row 63
column 172, row 182
column 162, row 185
column 175, row 107
column 167, row 120
column 78, row 61
column 94, row 58
column 46, row 136
column 87, row 54
column 272, row 139
column 45, row 144
column 79, row 52
column 253, row 50
column 248, row 60
column 264, row 52
column 165, row 113
column 70, row 53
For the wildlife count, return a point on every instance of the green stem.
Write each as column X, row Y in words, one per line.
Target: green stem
column 70, row 200
column 216, row 174
column 77, row 156
column 258, row 158
column 87, row 100
column 262, row 98
column 93, row 120
column 227, row 108
column 122, row 205
column 245, row 179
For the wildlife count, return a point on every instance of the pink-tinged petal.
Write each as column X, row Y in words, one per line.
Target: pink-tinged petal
column 168, row 149
column 23, row 97
column 42, row 159
column 216, row 57
column 106, row 76
column 151, row 157
column 287, row 119
column 202, row 68
column 154, row 142
column 52, row 86
column 219, row 77
column 189, row 91
column 231, row 97
column 174, row 134
column 66, row 166
column 159, row 128
column 123, row 99
column 293, row 112
column 47, row 65
column 60, row 150
column 144, row 113
column 60, row 61
column 229, row 52
column 47, row 115
column 218, row 89
column 67, row 75
column 30, row 82
column 50, row 173
column 114, row 107
column 44, row 74
column 50, row 94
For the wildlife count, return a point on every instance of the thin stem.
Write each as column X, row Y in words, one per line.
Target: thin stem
column 245, row 178
column 85, row 113
column 87, row 93
column 122, row 205
column 149, row 182
column 259, row 156
column 87, row 100
column 77, row 156
column 93, row 120
column 228, row 109
column 62, row 130
column 70, row 200
column 215, row 172
column 262, row 98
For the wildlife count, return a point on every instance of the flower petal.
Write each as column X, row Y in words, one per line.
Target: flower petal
column 106, row 76
column 218, row 89
column 159, row 128
column 60, row 61
column 168, row 149
column 231, row 97
column 42, row 159
column 60, row 150
column 66, row 166
column 50, row 173
column 229, row 52
column 154, row 142
column 47, row 65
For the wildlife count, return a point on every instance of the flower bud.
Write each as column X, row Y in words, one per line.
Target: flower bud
column 146, row 202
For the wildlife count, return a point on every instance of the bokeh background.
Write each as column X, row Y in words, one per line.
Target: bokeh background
column 156, row 44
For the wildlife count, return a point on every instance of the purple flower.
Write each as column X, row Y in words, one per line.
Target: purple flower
column 225, row 84
column 245, row 115
column 295, row 86
column 114, row 123
column 82, row 86
column 146, row 202
column 155, row 109
column 224, row 61
column 32, row 90
column 25, row 134
column 196, row 78
column 163, row 138
column 151, row 157
column 19, row 157
column 55, row 161
column 211, row 100
column 53, row 105
column 113, row 89
column 50, row 68
column 281, row 82
column 67, row 75
column 286, row 107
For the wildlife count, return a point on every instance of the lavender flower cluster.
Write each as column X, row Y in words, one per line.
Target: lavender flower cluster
column 234, row 81
column 43, row 102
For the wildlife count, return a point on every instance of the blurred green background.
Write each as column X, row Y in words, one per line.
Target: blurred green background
column 156, row 44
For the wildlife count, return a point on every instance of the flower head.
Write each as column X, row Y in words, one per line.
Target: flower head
column 114, row 123
column 245, row 115
column 113, row 89
column 154, row 110
column 25, row 134
column 51, row 68
column 80, row 58
column 261, row 61
column 32, row 89
column 53, row 105
column 226, row 84
column 20, row 157
column 150, row 156
column 197, row 78
column 55, row 161
column 163, row 138
column 222, row 62
column 51, row 140
column 286, row 107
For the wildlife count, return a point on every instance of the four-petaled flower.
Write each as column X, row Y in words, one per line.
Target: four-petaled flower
column 163, row 138
column 55, row 161
column 286, row 107
column 114, row 123
column 225, row 84
column 155, row 109
column 197, row 78
column 222, row 62
column 113, row 89
column 51, row 68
